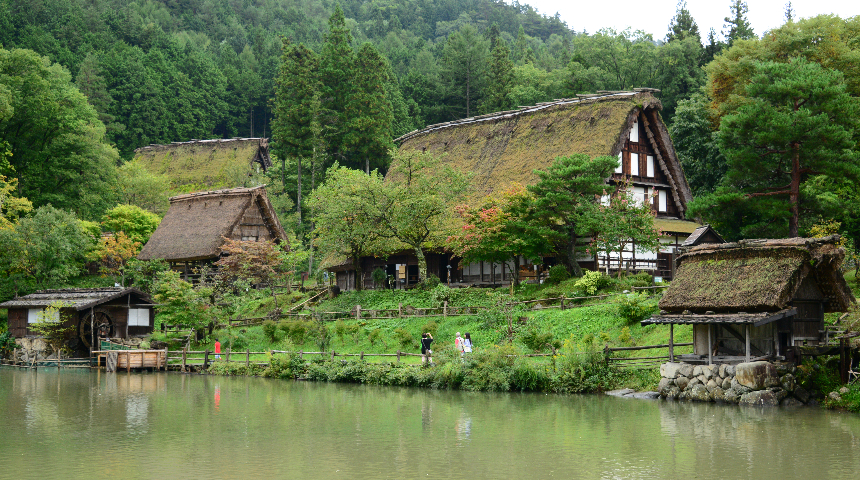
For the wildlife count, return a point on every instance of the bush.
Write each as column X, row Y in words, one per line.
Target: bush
column 378, row 277
column 295, row 330
column 591, row 282
column 404, row 337
column 429, row 283
column 636, row 307
column 340, row 330
column 270, row 330
column 556, row 275
column 430, row 327
column 320, row 334
column 538, row 342
column 441, row 293
column 374, row 336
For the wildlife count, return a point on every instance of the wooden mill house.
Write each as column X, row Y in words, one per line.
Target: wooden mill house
column 197, row 224
column 755, row 299
column 506, row 147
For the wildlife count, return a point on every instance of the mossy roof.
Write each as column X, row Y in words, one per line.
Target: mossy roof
column 668, row 225
column 756, row 276
column 77, row 298
column 506, row 147
column 209, row 163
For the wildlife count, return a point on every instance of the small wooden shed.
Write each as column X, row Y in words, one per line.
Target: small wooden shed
column 92, row 312
column 755, row 298
column 196, row 225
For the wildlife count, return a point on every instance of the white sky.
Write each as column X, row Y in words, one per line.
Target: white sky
column 653, row 16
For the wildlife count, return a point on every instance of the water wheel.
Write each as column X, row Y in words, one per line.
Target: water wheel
column 98, row 321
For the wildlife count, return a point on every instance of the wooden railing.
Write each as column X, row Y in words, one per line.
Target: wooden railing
column 640, row 362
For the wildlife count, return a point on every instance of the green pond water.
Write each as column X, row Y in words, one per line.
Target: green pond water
column 86, row 424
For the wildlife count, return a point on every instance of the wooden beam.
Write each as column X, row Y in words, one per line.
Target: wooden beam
column 671, row 343
column 748, row 344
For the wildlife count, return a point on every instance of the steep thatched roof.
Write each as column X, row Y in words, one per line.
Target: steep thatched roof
column 702, row 232
column 196, row 223
column 78, row 298
column 205, row 162
column 756, row 276
column 505, row 147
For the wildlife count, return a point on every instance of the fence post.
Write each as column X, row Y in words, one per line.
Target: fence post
column 248, row 358
column 166, row 352
column 332, row 355
column 358, row 312
column 562, row 302
column 445, row 310
column 398, row 356
column 399, row 310
column 184, row 369
column 300, row 355
column 671, row 342
column 362, row 356
column 206, row 359
column 227, row 355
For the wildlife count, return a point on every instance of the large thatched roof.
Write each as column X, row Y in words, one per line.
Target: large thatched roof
column 505, row 147
column 197, row 223
column 756, row 276
column 79, row 298
column 205, row 162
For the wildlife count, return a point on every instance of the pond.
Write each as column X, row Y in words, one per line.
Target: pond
column 89, row 424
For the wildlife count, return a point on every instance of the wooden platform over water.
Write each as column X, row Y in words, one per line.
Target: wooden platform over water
column 131, row 359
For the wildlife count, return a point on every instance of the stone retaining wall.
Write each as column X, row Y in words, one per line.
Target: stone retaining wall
column 754, row 383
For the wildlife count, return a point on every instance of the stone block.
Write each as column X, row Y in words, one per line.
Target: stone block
column 670, row 369
column 620, row 393
column 702, row 379
column 711, row 385
column 760, row 398
column 835, row 396
column 788, row 382
column 673, row 392
column 736, row 386
column 730, row 370
column 682, row 382
column 791, row 402
column 664, row 385
column 844, row 390
column 694, row 382
column 727, row 383
column 697, row 370
column 757, row 375
column 731, row 396
column 700, row 394
column 708, row 372
column 686, row 370
column 718, row 394
column 801, row 394
column 645, row 395
column 779, row 393
column 723, row 370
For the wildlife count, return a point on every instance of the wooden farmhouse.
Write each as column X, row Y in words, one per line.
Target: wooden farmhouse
column 92, row 313
column 214, row 163
column 755, row 298
column 506, row 147
column 194, row 228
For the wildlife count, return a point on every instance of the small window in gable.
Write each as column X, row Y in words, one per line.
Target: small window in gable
column 661, row 200
column 250, row 239
column 649, row 166
column 634, row 164
column 620, row 167
column 634, row 132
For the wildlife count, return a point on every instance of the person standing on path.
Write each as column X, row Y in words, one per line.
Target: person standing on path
column 467, row 343
column 458, row 343
column 426, row 352
column 217, row 348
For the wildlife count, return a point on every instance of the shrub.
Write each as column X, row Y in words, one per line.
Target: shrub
column 557, row 274
column 624, row 337
column 295, row 330
column 340, row 330
column 591, row 282
column 528, row 377
column 378, row 277
column 441, row 293
column 538, row 342
column 404, row 337
column 374, row 336
column 430, row 327
column 270, row 330
column 287, row 365
column 320, row 334
column 636, row 307
column 429, row 283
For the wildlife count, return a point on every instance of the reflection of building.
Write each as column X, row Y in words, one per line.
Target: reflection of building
column 117, row 312
column 194, row 229
column 755, row 298
column 506, row 147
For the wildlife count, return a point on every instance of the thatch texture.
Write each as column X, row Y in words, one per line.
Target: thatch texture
column 197, row 223
column 506, row 147
column 756, row 276
column 753, row 319
column 205, row 162
column 670, row 226
column 703, row 234
column 79, row 299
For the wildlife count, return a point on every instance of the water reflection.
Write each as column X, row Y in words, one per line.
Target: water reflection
column 157, row 425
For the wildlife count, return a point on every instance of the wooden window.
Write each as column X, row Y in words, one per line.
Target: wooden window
column 634, row 164
column 661, row 200
column 634, row 132
column 249, row 238
column 33, row 315
column 649, row 166
column 620, row 167
column 138, row 317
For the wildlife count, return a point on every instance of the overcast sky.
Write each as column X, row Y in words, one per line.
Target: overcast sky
column 653, row 16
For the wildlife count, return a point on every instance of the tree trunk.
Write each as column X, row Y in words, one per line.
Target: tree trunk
column 422, row 264
column 367, row 165
column 356, row 266
column 572, row 265
column 298, row 187
column 794, row 196
column 516, row 273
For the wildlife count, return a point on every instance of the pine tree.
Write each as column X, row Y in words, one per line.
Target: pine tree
column 464, row 67
column 683, row 25
column 711, row 50
column 337, row 74
column 499, row 79
column 91, row 82
column 296, row 109
column 369, row 129
column 789, row 12
column 737, row 26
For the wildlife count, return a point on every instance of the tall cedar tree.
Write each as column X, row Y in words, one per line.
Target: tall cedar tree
column 737, row 26
column 683, row 25
column 500, row 79
column 565, row 201
column 464, row 68
column 797, row 121
column 296, row 108
column 370, row 110
column 337, row 74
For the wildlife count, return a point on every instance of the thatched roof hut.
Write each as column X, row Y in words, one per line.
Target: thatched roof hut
column 206, row 162
column 757, row 276
column 197, row 223
column 505, row 147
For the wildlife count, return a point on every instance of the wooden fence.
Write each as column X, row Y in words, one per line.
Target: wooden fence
column 640, row 362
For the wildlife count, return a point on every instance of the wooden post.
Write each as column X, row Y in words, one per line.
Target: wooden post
column 128, row 361
column 206, row 359
column 362, row 356
column 300, row 355
column 843, row 361
column 671, row 342
column 399, row 310
column 562, row 302
column 184, row 369
column 248, row 358
column 227, row 355
column 398, row 356
column 332, row 355
column 358, row 312
column 710, row 346
column 747, row 342
column 166, row 352
column 445, row 310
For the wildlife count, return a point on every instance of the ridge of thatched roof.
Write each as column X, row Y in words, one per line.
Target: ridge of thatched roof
column 505, row 147
column 196, row 223
column 756, row 275
column 204, row 162
column 77, row 298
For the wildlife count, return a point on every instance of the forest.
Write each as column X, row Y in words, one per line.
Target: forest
column 83, row 83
